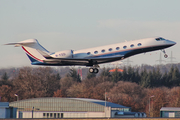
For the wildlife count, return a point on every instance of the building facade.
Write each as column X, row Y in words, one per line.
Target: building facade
column 54, row 107
column 167, row 112
column 6, row 111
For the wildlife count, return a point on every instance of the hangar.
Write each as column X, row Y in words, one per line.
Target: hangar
column 54, row 107
column 166, row 112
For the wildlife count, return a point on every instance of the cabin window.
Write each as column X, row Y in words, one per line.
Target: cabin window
column 124, row 47
column 88, row 53
column 139, row 44
column 132, row 45
column 103, row 51
column 95, row 52
column 110, row 49
column 117, row 48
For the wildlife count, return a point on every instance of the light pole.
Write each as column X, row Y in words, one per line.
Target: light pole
column 149, row 103
column 32, row 111
column 16, row 96
column 105, row 103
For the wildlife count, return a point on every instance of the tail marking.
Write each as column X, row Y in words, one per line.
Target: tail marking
column 30, row 55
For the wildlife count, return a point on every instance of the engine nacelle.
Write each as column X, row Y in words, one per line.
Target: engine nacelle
column 63, row 54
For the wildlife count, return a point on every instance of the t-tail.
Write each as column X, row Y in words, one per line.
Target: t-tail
column 32, row 48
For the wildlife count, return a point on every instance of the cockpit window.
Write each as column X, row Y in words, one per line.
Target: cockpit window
column 159, row 39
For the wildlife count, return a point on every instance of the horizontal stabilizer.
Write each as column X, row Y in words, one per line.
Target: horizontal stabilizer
column 23, row 43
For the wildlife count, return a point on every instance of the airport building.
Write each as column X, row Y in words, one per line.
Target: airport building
column 54, row 107
column 167, row 112
column 6, row 111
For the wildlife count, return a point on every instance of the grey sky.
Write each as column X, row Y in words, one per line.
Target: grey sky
column 77, row 24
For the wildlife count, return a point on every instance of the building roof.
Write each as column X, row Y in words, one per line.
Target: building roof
column 64, row 104
column 113, row 70
column 170, row 109
column 101, row 102
column 4, row 104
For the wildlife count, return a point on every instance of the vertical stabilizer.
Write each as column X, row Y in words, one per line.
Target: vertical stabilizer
column 31, row 47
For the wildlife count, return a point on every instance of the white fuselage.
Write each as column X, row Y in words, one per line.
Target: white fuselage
column 38, row 55
column 120, row 47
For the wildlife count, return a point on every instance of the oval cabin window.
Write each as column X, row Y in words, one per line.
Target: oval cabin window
column 139, row 44
column 95, row 52
column 88, row 53
column 110, row 49
column 103, row 51
column 132, row 45
column 125, row 47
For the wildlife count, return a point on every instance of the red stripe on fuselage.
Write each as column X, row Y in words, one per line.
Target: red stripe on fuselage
column 31, row 54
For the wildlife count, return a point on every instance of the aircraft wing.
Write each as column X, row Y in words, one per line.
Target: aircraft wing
column 83, row 61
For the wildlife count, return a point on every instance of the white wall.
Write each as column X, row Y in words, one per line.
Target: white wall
column 28, row 114
column 74, row 114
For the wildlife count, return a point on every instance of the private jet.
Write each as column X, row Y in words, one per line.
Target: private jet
column 91, row 57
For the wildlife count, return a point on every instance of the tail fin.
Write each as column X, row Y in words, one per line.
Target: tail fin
column 31, row 47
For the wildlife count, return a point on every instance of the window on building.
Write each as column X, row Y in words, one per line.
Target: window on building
column 61, row 115
column 47, row 114
column 54, row 115
column 58, row 115
column 110, row 49
column 51, row 114
column 44, row 114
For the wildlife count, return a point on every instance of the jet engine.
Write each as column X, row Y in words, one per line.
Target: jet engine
column 63, row 54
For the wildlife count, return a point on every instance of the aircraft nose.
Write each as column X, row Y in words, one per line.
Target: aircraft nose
column 171, row 42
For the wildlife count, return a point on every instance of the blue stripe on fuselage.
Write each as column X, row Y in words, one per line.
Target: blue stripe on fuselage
column 31, row 59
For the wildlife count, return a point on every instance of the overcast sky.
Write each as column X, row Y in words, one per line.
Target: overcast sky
column 77, row 24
